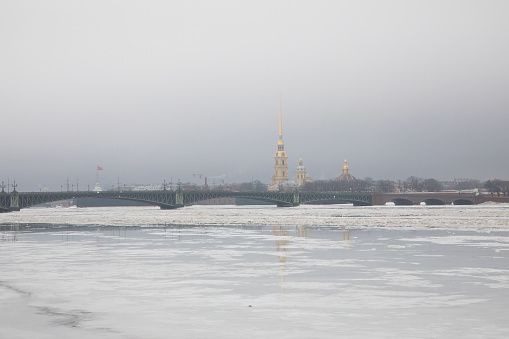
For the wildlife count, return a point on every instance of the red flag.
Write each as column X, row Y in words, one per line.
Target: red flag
column 99, row 168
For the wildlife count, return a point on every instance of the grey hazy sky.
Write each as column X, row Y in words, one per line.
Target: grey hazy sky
column 153, row 90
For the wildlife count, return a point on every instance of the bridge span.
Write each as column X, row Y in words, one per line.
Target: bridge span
column 170, row 199
column 436, row 198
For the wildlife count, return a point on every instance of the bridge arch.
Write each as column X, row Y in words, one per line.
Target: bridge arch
column 163, row 206
column 281, row 199
column 434, row 201
column 194, row 200
column 358, row 199
column 163, row 199
column 463, row 202
column 402, row 202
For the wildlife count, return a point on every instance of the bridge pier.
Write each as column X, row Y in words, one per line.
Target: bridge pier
column 378, row 200
column 296, row 199
column 179, row 198
column 14, row 202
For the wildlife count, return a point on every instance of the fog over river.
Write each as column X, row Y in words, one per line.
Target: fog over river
column 255, row 272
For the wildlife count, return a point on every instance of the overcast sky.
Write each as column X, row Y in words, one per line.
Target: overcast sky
column 161, row 90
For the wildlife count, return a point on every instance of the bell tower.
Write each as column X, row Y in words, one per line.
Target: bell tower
column 281, row 159
column 300, row 173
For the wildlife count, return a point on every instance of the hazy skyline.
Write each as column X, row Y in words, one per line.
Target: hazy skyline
column 157, row 90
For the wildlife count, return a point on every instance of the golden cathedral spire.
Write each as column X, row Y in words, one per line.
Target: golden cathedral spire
column 280, row 119
column 280, row 142
column 280, row 159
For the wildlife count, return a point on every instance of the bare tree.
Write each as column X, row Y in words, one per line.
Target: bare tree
column 413, row 184
column 432, row 185
column 384, row 186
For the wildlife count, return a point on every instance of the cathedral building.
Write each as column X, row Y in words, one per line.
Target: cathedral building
column 280, row 177
column 281, row 159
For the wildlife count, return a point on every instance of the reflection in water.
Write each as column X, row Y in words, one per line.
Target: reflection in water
column 303, row 231
column 9, row 231
column 346, row 237
column 282, row 246
column 196, row 278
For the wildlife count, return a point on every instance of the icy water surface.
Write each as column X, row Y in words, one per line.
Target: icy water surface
column 255, row 272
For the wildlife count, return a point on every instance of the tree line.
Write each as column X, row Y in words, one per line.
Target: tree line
column 411, row 184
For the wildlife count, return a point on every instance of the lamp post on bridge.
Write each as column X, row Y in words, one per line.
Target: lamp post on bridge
column 14, row 200
column 3, row 186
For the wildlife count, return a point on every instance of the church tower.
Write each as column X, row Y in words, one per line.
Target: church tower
column 281, row 159
column 300, row 173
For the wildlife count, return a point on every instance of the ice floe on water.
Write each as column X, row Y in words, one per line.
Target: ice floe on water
column 257, row 272
column 343, row 216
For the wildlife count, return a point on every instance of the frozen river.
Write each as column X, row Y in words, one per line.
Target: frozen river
column 255, row 272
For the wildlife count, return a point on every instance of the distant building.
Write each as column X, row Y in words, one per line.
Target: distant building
column 281, row 159
column 345, row 175
column 280, row 177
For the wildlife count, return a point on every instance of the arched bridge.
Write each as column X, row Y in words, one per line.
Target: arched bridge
column 436, row 198
column 169, row 199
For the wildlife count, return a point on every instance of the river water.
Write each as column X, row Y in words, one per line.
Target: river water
column 256, row 272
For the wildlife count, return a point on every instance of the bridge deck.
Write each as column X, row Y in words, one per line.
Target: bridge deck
column 168, row 199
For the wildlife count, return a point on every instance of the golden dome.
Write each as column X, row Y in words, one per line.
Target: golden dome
column 346, row 176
